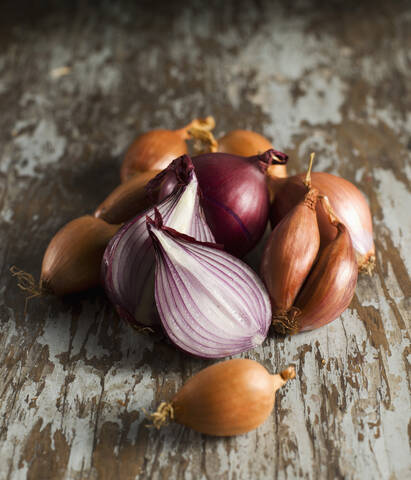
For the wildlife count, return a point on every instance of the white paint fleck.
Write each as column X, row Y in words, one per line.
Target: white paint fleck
column 7, row 214
column 288, row 54
column 44, row 147
column 59, row 72
column 359, row 174
column 395, row 201
column 325, row 148
column 95, row 73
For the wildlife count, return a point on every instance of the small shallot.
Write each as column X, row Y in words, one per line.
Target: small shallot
column 329, row 288
column 290, row 253
column 347, row 201
column 228, row 398
column 73, row 257
column 156, row 149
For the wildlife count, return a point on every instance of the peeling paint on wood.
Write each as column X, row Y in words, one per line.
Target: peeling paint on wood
column 73, row 378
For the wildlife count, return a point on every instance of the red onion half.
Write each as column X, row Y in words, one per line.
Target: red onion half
column 234, row 196
column 128, row 262
column 210, row 303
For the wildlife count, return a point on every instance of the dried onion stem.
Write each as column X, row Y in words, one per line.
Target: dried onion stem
column 205, row 124
column 200, row 130
column 307, row 181
column 325, row 202
column 204, row 141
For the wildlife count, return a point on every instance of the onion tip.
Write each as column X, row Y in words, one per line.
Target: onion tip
column 288, row 373
column 271, row 157
column 307, row 181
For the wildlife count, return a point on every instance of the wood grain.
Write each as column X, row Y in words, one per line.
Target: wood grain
column 311, row 75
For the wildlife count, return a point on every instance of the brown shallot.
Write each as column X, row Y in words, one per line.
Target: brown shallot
column 347, row 201
column 329, row 287
column 72, row 261
column 290, row 253
column 228, row 398
column 156, row 149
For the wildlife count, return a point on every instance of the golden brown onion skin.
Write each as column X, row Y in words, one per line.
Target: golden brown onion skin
column 348, row 202
column 246, row 143
column 72, row 260
column 153, row 150
column 127, row 200
column 331, row 284
column 228, row 398
column 290, row 253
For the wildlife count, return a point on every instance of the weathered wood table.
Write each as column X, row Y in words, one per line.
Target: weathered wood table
column 77, row 83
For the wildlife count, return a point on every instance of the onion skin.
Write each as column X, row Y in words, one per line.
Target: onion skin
column 153, row 150
column 328, row 290
column 246, row 143
column 228, row 398
column 290, row 253
column 127, row 200
column 348, row 202
column 234, row 198
column 73, row 258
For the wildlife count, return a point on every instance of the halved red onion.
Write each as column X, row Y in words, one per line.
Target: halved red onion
column 211, row 304
column 128, row 262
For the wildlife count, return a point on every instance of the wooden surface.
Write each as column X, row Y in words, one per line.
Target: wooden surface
column 315, row 77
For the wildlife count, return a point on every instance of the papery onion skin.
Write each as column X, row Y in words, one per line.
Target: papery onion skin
column 246, row 143
column 328, row 290
column 228, row 398
column 290, row 253
column 210, row 303
column 348, row 202
column 73, row 257
column 153, row 150
column 235, row 197
column 127, row 200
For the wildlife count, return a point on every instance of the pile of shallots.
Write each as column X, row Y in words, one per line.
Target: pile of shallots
column 167, row 245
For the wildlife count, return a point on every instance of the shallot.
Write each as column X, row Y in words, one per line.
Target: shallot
column 228, row 398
